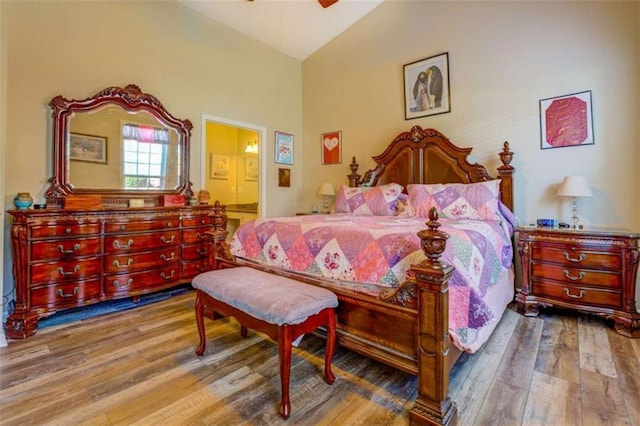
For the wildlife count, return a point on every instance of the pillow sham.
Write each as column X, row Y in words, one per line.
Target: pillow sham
column 474, row 201
column 370, row 201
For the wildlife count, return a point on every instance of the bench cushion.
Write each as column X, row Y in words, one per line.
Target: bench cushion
column 268, row 297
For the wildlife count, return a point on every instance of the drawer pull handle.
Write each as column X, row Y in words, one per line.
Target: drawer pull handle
column 165, row 277
column 200, row 236
column 573, row 296
column 167, row 259
column 201, row 252
column 169, row 241
column 74, row 249
column 202, row 268
column 117, row 264
column 60, row 293
column 579, row 277
column 168, row 225
column 61, row 271
column 117, row 284
column 67, row 231
column 573, row 259
column 117, row 244
column 123, row 227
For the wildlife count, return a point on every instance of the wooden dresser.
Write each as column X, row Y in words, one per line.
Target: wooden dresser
column 590, row 270
column 69, row 258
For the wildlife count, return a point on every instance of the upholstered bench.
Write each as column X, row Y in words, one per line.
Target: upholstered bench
column 278, row 306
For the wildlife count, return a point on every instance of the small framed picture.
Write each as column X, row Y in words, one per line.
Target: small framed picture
column 219, row 167
column 566, row 121
column 250, row 168
column 331, row 147
column 89, row 148
column 284, row 148
column 284, row 178
column 426, row 87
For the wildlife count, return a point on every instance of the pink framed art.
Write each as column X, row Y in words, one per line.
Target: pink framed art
column 331, row 147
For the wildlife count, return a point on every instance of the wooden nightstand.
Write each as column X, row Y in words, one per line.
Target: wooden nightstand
column 591, row 270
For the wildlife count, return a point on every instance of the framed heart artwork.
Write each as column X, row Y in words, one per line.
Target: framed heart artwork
column 331, row 147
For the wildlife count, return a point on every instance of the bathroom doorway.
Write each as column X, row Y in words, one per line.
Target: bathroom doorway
column 234, row 167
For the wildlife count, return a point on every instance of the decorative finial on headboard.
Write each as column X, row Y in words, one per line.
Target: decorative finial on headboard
column 506, row 155
column 354, row 177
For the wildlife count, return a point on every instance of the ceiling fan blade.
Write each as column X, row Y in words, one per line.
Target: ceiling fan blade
column 327, row 3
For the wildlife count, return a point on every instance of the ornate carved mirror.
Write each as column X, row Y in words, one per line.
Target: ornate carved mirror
column 120, row 144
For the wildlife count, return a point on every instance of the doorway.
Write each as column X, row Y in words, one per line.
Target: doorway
column 234, row 166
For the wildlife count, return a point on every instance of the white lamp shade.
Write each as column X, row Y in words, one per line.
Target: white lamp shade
column 574, row 186
column 326, row 189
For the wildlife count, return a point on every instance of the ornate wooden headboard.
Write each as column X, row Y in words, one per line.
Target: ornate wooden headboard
column 427, row 156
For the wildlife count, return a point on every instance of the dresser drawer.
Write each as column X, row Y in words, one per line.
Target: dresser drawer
column 195, row 235
column 193, row 268
column 576, row 276
column 65, row 295
column 140, row 242
column 195, row 252
column 65, row 248
column 64, row 230
column 121, row 284
column 575, row 257
column 577, row 295
column 197, row 221
column 138, row 261
column 52, row 272
column 144, row 225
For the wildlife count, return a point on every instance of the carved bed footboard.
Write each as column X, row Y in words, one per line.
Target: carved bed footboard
column 373, row 326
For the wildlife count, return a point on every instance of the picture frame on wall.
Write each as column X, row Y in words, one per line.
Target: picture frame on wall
column 250, row 168
column 426, row 87
column 89, row 148
column 219, row 166
column 566, row 120
column 284, row 178
column 331, row 147
column 283, row 148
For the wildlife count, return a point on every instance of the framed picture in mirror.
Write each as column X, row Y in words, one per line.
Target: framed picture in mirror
column 89, row 148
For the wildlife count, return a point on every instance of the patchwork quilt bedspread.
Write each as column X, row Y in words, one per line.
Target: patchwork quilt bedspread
column 369, row 252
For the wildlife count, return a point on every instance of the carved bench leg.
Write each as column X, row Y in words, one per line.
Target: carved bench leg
column 330, row 347
column 200, row 323
column 284, row 349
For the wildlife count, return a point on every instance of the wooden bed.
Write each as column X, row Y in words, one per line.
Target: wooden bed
column 369, row 325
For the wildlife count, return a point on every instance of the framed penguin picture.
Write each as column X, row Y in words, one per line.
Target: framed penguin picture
column 426, row 87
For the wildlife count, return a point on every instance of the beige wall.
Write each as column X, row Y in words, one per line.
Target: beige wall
column 3, row 112
column 504, row 57
column 192, row 64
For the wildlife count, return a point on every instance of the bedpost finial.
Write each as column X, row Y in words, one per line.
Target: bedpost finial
column 354, row 177
column 432, row 241
column 506, row 155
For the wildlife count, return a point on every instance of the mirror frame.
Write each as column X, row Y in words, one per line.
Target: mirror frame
column 131, row 99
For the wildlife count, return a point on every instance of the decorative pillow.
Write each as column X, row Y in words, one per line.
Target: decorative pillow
column 475, row 201
column 370, row 201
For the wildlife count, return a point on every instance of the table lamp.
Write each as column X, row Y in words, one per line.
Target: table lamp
column 574, row 186
column 326, row 190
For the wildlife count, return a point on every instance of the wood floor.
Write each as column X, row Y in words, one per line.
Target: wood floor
column 139, row 367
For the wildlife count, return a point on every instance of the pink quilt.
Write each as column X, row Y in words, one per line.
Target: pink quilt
column 369, row 252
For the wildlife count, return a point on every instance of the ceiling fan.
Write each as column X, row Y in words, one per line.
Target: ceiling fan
column 323, row 3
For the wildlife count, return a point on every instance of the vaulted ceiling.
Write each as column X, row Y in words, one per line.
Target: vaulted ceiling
column 295, row 27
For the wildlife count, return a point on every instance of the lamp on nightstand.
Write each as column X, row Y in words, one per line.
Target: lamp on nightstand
column 326, row 190
column 574, row 186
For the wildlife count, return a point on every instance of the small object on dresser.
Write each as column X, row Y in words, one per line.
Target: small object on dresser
column 40, row 206
column 193, row 201
column 547, row 223
column 83, row 202
column 563, row 225
column 172, row 200
column 203, row 196
column 23, row 200
column 136, row 202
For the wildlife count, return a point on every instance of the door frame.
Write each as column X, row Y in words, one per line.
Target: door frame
column 262, row 158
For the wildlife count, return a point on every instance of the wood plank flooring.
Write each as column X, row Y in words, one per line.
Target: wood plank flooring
column 139, row 367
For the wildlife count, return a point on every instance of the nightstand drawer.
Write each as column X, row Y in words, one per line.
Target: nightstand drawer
column 576, row 276
column 577, row 295
column 571, row 256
